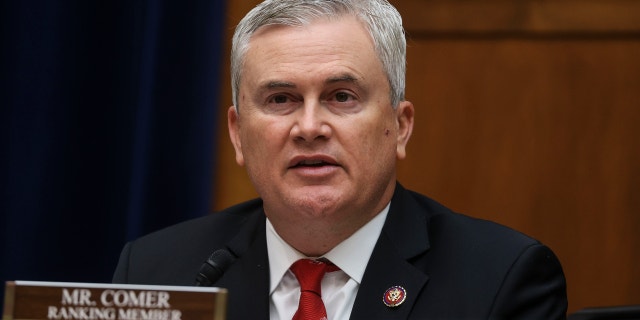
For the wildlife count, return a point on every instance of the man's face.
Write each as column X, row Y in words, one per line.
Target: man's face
column 315, row 127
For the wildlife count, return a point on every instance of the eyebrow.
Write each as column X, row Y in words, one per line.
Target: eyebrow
column 279, row 84
column 285, row 84
column 342, row 78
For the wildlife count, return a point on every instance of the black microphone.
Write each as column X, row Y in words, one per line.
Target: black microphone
column 213, row 268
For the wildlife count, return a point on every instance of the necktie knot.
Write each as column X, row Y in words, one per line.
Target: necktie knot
column 309, row 274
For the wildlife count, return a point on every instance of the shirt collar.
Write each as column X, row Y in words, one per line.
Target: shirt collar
column 282, row 255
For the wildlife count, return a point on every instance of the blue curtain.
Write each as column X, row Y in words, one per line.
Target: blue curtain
column 107, row 122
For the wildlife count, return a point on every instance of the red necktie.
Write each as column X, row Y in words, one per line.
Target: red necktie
column 309, row 274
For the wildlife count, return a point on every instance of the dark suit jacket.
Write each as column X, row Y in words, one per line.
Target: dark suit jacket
column 452, row 266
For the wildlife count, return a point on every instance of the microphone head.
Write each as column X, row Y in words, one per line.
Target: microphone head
column 221, row 258
column 213, row 268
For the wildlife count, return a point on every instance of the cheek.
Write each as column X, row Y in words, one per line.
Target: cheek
column 375, row 141
column 262, row 140
column 382, row 136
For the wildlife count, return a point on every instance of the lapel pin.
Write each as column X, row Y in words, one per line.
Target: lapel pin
column 394, row 296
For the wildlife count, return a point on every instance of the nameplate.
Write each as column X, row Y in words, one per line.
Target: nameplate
column 95, row 301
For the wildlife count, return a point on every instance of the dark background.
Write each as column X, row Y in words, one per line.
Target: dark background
column 107, row 128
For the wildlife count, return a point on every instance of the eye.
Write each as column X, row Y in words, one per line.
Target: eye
column 342, row 96
column 281, row 103
column 344, row 101
column 280, row 99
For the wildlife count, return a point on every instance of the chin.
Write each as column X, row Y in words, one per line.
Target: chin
column 318, row 203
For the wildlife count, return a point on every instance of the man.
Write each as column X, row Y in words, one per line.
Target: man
column 319, row 119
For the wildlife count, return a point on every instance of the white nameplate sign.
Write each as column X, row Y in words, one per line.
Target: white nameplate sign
column 96, row 301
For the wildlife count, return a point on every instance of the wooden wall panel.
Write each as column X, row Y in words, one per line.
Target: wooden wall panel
column 550, row 17
column 231, row 183
column 527, row 114
column 541, row 136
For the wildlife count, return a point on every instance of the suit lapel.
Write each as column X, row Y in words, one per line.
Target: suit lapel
column 404, row 236
column 247, row 279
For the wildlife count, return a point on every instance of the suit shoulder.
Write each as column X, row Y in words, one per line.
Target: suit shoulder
column 173, row 255
column 457, row 227
column 217, row 223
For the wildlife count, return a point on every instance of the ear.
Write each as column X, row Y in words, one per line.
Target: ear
column 233, row 121
column 404, row 118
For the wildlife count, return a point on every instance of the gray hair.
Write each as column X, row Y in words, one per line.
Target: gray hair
column 380, row 18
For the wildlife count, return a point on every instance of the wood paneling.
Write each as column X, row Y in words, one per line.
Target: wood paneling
column 527, row 114
column 587, row 17
column 231, row 184
column 541, row 136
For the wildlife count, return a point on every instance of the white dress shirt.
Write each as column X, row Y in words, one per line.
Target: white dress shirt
column 339, row 288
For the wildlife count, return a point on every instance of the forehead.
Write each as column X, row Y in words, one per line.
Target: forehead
column 337, row 20
column 318, row 47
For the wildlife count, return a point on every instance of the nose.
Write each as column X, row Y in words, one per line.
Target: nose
column 311, row 123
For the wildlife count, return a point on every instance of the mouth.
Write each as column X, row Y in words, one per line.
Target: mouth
column 312, row 162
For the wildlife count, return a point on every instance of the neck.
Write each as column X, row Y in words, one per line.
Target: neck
column 316, row 237
column 316, row 230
